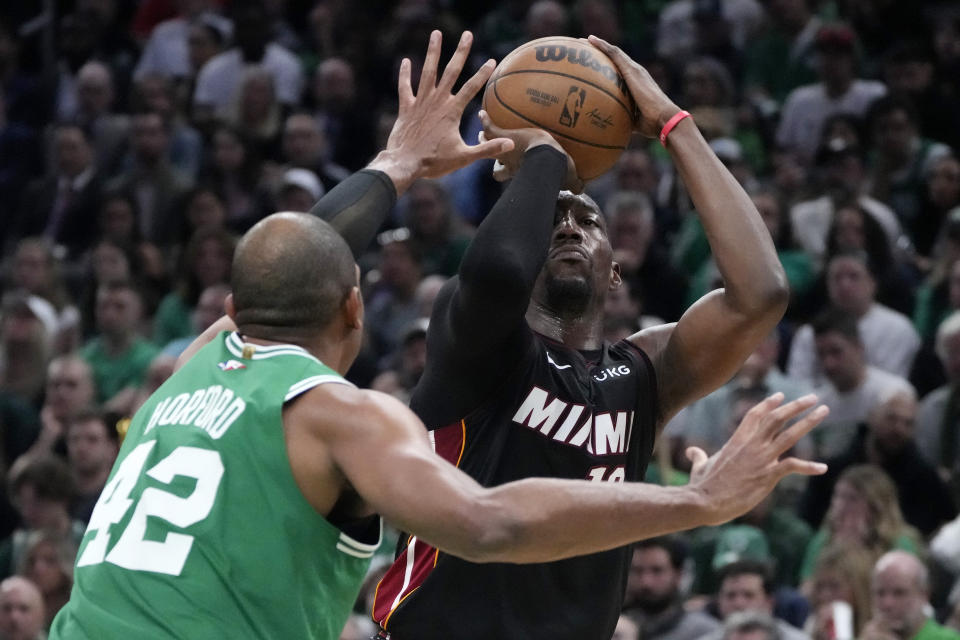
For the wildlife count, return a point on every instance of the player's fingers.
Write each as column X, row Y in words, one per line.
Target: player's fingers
column 488, row 149
column 476, row 82
column 404, row 90
column 455, row 66
column 428, row 76
column 802, row 467
column 611, row 50
column 696, row 456
column 792, row 434
column 760, row 411
column 783, row 414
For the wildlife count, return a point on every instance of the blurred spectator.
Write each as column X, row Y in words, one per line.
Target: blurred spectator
column 254, row 109
column 886, row 440
column 601, row 18
column 208, row 310
column 304, row 147
column 406, row 364
column 70, row 390
column 129, row 400
column 62, row 207
column 220, row 77
column 901, row 158
column 747, row 585
column 206, row 261
column 541, row 19
column 36, row 271
column 91, row 450
column 108, row 130
column 751, row 625
column 344, row 118
column 901, row 588
column 888, row 338
column 863, row 510
column 909, row 69
column 654, row 595
column 436, row 228
column 157, row 186
column 677, row 36
column 167, row 52
column 841, row 574
column 206, row 38
column 41, row 489
column 623, row 313
column 782, row 57
column 644, row 263
column 840, row 164
column 203, row 209
column 119, row 226
column 109, row 261
column 710, row 421
column 852, row 387
column 22, row 615
column 47, row 561
column 299, row 191
column 77, row 43
column 28, row 327
column 392, row 305
column 938, row 418
column 636, row 170
column 155, row 92
column 117, row 353
column 839, row 90
column 234, row 169
column 941, row 196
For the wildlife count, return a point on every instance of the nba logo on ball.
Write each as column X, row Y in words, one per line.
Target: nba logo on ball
column 570, row 89
column 571, row 108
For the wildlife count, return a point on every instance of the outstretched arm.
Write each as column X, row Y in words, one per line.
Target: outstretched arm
column 374, row 441
column 425, row 142
column 715, row 335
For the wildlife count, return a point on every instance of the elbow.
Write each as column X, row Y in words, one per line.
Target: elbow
column 766, row 298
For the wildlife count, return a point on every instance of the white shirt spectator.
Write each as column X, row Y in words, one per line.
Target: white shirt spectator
column 167, row 52
column 889, row 341
column 807, row 107
column 847, row 409
column 220, row 78
column 677, row 30
column 810, row 222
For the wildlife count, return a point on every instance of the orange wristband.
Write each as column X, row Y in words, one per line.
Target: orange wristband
column 671, row 123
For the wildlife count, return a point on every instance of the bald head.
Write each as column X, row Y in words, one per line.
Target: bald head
column 21, row 609
column 291, row 273
column 899, row 588
column 905, row 564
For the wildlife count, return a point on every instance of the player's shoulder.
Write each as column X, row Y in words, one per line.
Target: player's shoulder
column 337, row 406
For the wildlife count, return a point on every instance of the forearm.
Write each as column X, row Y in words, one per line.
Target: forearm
column 506, row 254
column 358, row 206
column 746, row 257
column 539, row 520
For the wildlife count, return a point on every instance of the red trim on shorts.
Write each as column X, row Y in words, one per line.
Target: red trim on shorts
column 449, row 443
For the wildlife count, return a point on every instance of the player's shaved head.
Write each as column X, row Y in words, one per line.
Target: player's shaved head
column 291, row 274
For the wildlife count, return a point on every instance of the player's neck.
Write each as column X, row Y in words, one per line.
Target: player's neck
column 584, row 333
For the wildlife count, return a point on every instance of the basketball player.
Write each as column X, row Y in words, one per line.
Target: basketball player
column 520, row 384
column 241, row 504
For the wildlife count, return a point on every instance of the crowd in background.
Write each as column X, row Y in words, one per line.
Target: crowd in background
column 138, row 140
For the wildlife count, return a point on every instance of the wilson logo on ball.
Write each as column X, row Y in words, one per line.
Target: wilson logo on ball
column 571, row 108
column 582, row 57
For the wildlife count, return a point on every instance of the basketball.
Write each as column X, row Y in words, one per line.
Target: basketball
column 571, row 89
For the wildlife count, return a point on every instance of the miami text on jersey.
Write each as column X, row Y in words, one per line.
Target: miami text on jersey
column 601, row 434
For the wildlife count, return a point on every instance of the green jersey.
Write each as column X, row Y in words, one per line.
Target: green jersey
column 201, row 530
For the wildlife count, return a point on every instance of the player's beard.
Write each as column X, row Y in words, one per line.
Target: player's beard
column 568, row 296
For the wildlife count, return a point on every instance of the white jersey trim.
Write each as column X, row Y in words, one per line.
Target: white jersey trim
column 306, row 384
column 358, row 549
column 261, row 352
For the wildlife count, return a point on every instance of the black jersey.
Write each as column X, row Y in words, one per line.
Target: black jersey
column 556, row 415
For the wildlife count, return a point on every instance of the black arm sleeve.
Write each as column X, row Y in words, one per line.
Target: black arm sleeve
column 478, row 332
column 357, row 207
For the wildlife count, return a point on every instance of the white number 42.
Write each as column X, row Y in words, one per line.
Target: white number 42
column 132, row 551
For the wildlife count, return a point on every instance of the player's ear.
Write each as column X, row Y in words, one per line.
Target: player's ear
column 229, row 307
column 615, row 278
column 353, row 309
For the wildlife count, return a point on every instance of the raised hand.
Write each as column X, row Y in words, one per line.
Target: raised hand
column 654, row 105
column 749, row 465
column 523, row 139
column 425, row 141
